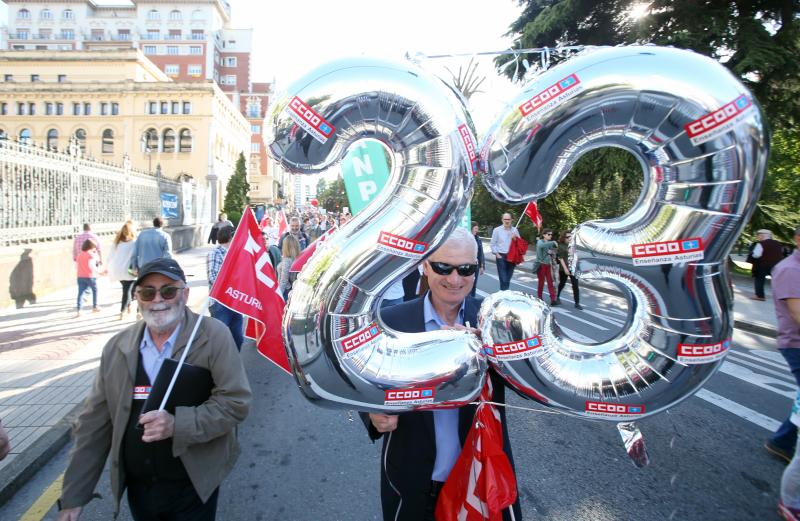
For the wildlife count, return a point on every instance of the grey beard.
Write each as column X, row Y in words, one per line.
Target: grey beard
column 164, row 324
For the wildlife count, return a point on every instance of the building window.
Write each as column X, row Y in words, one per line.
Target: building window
column 4, row 109
column 153, row 34
column 197, row 14
column 185, row 142
column 48, row 108
column 97, row 34
column 123, row 34
column 87, row 109
column 176, row 107
column 152, row 107
column 172, row 50
column 175, row 15
column 152, row 14
column 3, row 134
column 104, row 108
column 67, row 14
column 59, row 109
column 164, row 107
column 46, row 14
column 9, row 77
column 229, row 79
column 195, row 70
column 76, row 109
column 172, row 69
column 253, row 108
column 187, row 107
column 34, row 77
column 255, row 148
column 114, row 108
column 21, row 109
column 150, row 49
column 174, row 34
column 23, row 14
column 195, row 49
column 169, row 140
column 198, row 34
column 67, row 34
column 230, row 61
column 52, row 139
column 107, row 146
column 150, row 140
column 22, row 34
column 62, row 78
column 45, row 34
column 25, row 136
column 80, row 136
column 255, row 129
column 31, row 109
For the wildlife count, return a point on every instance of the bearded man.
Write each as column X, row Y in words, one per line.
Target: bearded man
column 171, row 465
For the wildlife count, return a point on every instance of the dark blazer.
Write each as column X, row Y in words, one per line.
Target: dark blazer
column 409, row 452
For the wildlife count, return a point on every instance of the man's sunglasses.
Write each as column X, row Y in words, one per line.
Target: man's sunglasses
column 167, row 292
column 465, row 270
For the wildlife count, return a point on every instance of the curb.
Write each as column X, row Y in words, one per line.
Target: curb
column 36, row 456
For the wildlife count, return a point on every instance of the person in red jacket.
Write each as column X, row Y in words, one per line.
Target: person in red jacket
column 764, row 255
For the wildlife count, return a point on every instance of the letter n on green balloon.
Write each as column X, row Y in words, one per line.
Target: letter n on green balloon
column 365, row 170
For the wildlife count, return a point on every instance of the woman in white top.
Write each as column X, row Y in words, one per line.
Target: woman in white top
column 289, row 252
column 119, row 261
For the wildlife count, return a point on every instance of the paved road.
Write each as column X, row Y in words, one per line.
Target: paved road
column 302, row 462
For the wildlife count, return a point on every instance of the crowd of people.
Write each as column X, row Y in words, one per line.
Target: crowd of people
column 172, row 461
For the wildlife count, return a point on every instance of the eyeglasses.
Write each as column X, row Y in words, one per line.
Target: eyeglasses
column 442, row 268
column 167, row 292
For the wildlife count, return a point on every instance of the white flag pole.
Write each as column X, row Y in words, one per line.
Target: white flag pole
column 185, row 352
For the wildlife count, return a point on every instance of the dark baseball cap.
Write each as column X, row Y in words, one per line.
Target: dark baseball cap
column 167, row 267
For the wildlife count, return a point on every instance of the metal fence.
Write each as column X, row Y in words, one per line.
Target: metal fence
column 47, row 195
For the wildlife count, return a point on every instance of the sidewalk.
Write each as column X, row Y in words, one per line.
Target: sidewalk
column 48, row 359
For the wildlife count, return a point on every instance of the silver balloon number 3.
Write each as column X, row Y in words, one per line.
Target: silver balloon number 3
column 340, row 351
column 700, row 139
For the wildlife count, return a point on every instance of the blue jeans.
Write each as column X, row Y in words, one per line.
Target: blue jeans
column 231, row 319
column 85, row 283
column 505, row 270
column 786, row 435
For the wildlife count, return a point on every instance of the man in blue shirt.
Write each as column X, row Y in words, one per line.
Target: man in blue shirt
column 420, row 448
column 153, row 243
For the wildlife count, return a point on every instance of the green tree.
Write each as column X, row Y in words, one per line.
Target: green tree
column 758, row 40
column 333, row 197
column 236, row 198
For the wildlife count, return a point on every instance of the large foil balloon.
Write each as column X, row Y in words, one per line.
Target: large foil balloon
column 341, row 353
column 700, row 139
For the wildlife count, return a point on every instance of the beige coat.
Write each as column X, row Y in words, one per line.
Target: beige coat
column 204, row 437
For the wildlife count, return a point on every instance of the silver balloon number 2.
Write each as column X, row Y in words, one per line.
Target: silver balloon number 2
column 700, row 139
column 340, row 351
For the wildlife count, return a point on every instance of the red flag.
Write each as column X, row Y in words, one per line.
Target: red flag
column 248, row 285
column 282, row 225
column 265, row 221
column 482, row 482
column 532, row 211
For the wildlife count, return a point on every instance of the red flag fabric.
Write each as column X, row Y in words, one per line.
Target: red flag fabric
column 282, row 224
column 482, row 482
column 247, row 284
column 265, row 221
column 300, row 260
column 532, row 211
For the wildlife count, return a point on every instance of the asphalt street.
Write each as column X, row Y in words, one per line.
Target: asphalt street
column 303, row 462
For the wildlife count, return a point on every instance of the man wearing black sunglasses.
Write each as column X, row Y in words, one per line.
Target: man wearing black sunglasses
column 420, row 448
column 170, row 463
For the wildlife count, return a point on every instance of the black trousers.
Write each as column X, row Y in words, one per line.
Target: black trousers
column 126, row 294
column 562, row 281
column 169, row 501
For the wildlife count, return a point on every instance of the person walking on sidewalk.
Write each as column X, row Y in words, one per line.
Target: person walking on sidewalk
column 764, row 255
column 499, row 246
column 153, row 243
column 88, row 263
column 119, row 261
column 222, row 222
column 564, row 272
column 786, row 294
column 481, row 258
column 544, row 270
column 214, row 260
column 170, row 464
column 87, row 233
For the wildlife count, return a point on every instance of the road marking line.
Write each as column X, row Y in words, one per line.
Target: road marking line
column 759, row 380
column 571, row 314
column 603, row 317
column 766, row 360
column 781, row 375
column 45, row 502
column 739, row 410
column 574, row 335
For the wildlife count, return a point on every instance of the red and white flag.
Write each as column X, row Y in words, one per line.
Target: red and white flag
column 532, row 211
column 247, row 284
column 300, row 260
column 282, row 224
column 265, row 221
column 482, row 482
